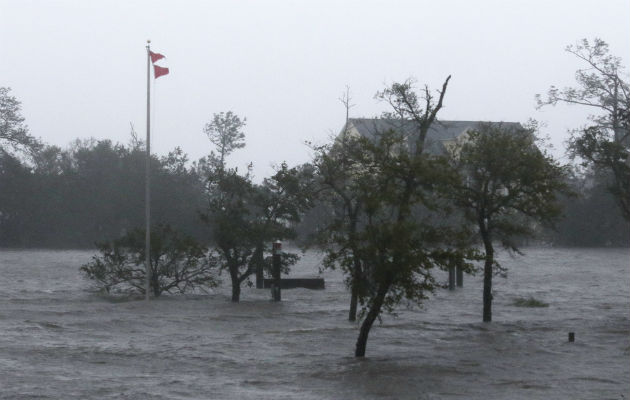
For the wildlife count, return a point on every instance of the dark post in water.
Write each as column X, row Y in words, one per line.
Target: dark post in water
column 451, row 277
column 275, row 288
column 460, row 276
column 259, row 276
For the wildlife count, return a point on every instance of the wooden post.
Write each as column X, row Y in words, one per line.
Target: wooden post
column 460, row 276
column 571, row 337
column 275, row 288
column 451, row 277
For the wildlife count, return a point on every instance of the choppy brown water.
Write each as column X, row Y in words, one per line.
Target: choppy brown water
column 60, row 340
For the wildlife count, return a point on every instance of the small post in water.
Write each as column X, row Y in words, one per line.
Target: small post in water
column 571, row 337
column 275, row 288
column 451, row 277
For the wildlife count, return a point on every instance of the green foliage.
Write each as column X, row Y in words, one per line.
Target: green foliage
column 178, row 263
column 386, row 236
column 598, row 148
column 400, row 248
column 529, row 302
column 369, row 182
column 338, row 165
column 506, row 186
column 245, row 217
column 506, row 182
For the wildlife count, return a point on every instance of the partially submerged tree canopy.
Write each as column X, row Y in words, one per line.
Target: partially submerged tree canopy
column 506, row 185
column 381, row 182
column 178, row 263
column 337, row 166
column 246, row 218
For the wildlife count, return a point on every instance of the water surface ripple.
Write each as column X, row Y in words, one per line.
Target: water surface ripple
column 59, row 339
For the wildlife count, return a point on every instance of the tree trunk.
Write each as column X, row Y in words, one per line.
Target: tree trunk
column 487, row 277
column 356, row 273
column 487, row 289
column 375, row 310
column 236, row 292
column 260, row 276
column 236, row 284
column 155, row 284
column 354, row 297
column 352, row 315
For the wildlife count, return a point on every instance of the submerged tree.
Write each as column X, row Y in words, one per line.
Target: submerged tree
column 246, row 218
column 391, row 177
column 178, row 263
column 605, row 142
column 506, row 185
column 338, row 165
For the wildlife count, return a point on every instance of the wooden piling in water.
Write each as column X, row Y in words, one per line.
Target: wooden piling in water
column 276, row 294
column 460, row 276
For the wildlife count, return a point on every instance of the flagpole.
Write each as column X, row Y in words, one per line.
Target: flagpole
column 147, row 187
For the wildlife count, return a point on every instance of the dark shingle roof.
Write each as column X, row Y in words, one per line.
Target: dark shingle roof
column 439, row 131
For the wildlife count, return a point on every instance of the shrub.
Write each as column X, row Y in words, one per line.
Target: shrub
column 529, row 302
column 178, row 263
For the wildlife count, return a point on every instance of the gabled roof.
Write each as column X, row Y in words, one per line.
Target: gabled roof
column 439, row 132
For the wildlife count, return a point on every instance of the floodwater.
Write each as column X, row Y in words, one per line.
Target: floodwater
column 59, row 339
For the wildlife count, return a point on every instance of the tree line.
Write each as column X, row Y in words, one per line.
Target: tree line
column 93, row 191
column 383, row 209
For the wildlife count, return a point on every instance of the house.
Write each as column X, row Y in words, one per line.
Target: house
column 441, row 134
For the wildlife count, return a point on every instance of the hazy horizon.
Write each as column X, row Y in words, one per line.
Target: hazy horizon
column 79, row 68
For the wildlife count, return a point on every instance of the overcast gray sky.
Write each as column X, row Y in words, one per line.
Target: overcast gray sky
column 79, row 67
